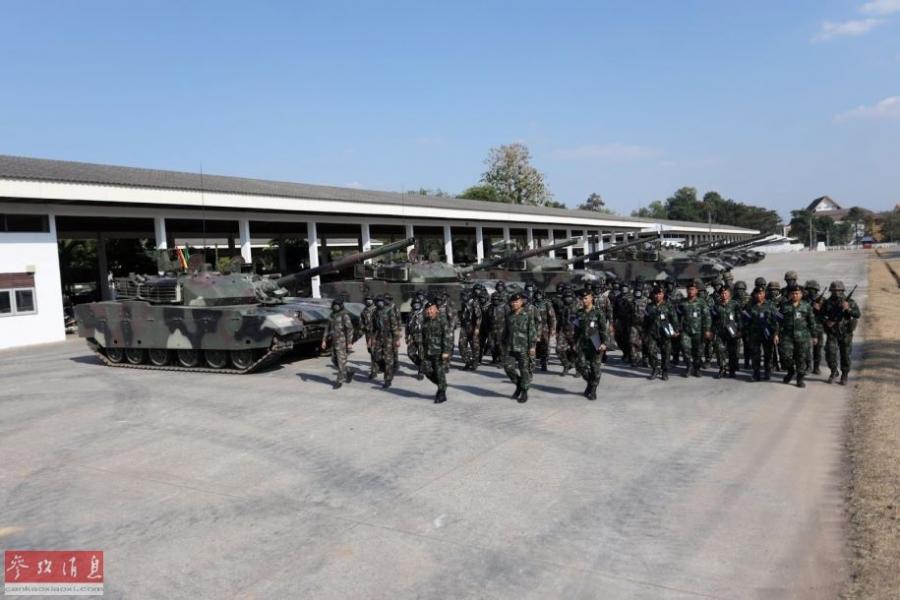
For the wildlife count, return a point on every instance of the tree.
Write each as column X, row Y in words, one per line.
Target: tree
column 655, row 210
column 683, row 205
column 510, row 173
column 481, row 192
column 554, row 204
column 432, row 192
column 854, row 216
column 595, row 203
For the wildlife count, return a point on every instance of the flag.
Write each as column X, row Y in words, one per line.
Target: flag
column 181, row 259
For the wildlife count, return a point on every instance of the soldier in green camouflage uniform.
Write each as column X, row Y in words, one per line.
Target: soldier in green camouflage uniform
column 811, row 297
column 695, row 326
column 519, row 346
column 395, row 309
column 340, row 331
column 622, row 320
column 840, row 315
column 470, row 330
column 437, row 344
column 591, row 338
column 414, row 336
column 565, row 339
column 742, row 299
column 660, row 325
column 761, row 327
column 365, row 323
column 775, row 297
column 674, row 297
column 636, row 335
column 535, row 315
column 498, row 314
column 710, row 342
column 547, row 327
column 794, row 334
column 726, row 323
column 387, row 333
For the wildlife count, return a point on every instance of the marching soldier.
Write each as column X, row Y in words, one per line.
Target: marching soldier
column 518, row 346
column 546, row 328
column 622, row 321
column 395, row 310
column 385, row 340
column 365, row 322
column 437, row 344
column 591, row 339
column 727, row 326
column 414, row 337
column 340, row 331
column 774, row 296
column 840, row 315
column 695, row 328
column 794, row 334
column 659, row 327
column 674, row 297
column 498, row 327
column 811, row 297
column 760, row 326
column 742, row 298
column 710, row 300
column 636, row 335
column 470, row 330
column 565, row 339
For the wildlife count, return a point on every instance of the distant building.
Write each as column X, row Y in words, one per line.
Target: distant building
column 825, row 206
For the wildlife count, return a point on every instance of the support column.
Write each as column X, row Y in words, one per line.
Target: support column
column 244, row 231
column 586, row 242
column 506, row 234
column 159, row 230
column 312, row 241
column 479, row 243
column 365, row 235
column 103, row 268
column 569, row 249
column 600, row 245
column 529, row 237
column 409, row 234
column 448, row 244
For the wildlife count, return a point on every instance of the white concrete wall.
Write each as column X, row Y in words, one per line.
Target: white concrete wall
column 18, row 253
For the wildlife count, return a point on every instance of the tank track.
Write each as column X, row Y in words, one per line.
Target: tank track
column 271, row 357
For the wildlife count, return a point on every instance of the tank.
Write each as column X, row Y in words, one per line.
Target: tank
column 223, row 322
column 545, row 272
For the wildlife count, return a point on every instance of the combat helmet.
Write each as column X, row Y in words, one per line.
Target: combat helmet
column 812, row 284
column 836, row 286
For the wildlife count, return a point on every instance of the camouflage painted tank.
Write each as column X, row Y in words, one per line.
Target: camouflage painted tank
column 546, row 273
column 209, row 321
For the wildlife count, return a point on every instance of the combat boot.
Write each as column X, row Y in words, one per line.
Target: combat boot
column 696, row 372
column 788, row 376
column 523, row 397
column 349, row 378
column 386, row 384
column 720, row 374
column 665, row 376
column 816, row 370
column 800, row 382
column 544, row 366
column 565, row 370
column 832, row 377
column 587, row 391
column 592, row 394
column 844, row 377
column 337, row 384
column 756, row 376
column 420, row 375
column 440, row 397
column 687, row 371
column 518, row 392
column 653, row 374
column 372, row 374
column 767, row 375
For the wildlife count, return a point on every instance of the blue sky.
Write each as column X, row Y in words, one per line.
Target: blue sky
column 770, row 103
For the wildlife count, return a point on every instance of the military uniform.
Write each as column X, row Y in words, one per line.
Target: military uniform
column 470, row 332
column 760, row 327
column 774, row 296
column 660, row 324
column 726, row 322
column 498, row 313
column 622, row 322
column 340, row 331
column 839, row 324
column 386, row 336
column 437, row 340
column 414, row 337
column 695, row 324
column 546, row 329
column 674, row 297
column 810, row 295
column 367, row 325
column 590, row 334
column 395, row 310
column 565, row 340
column 796, row 328
column 636, row 336
column 518, row 347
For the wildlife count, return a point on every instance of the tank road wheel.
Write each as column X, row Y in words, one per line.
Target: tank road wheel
column 216, row 358
column 135, row 356
column 242, row 359
column 159, row 356
column 188, row 358
column 115, row 355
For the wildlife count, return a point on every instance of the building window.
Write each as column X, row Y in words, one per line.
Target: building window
column 18, row 301
column 15, row 223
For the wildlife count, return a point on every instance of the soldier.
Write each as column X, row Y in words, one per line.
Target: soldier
column 518, row 346
column 437, row 344
column 392, row 306
column 498, row 327
column 840, row 315
column 811, row 297
column 709, row 300
column 695, row 325
column 500, row 289
column 546, row 327
column 636, row 338
column 484, row 299
column 365, row 322
column 742, row 299
column 773, row 295
column 795, row 330
column 445, row 306
column 760, row 326
column 728, row 280
column 414, row 337
column 726, row 323
column 622, row 321
column 591, row 339
column 385, row 340
column 340, row 331
column 659, row 328
column 565, row 339
column 790, row 280
column 674, row 297
column 470, row 331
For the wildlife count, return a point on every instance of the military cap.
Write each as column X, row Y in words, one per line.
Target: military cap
column 337, row 302
column 759, row 289
column 812, row 284
column 586, row 292
column 794, row 288
column 697, row 283
column 759, row 281
column 773, row 285
column 516, row 296
column 500, row 284
column 657, row 290
column 836, row 286
column 790, row 275
column 740, row 285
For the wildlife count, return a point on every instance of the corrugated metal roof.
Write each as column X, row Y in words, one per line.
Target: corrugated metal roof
column 60, row 171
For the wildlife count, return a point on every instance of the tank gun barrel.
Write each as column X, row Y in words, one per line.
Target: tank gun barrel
column 735, row 244
column 520, row 255
column 615, row 248
column 337, row 265
column 748, row 246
